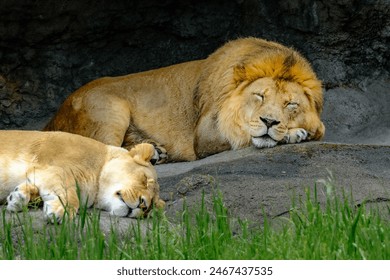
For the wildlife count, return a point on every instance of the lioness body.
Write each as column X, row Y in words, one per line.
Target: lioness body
column 52, row 165
column 235, row 97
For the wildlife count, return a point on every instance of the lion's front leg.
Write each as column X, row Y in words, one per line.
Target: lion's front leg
column 21, row 196
column 135, row 136
column 295, row 135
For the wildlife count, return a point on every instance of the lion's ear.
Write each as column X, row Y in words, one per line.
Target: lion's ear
column 142, row 153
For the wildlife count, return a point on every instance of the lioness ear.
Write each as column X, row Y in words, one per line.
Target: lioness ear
column 142, row 153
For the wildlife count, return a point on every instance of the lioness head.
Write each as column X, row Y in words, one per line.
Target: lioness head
column 272, row 99
column 128, row 183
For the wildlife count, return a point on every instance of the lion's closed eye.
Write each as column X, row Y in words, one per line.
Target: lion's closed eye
column 259, row 95
column 292, row 105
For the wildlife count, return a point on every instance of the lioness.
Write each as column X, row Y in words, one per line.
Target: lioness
column 248, row 91
column 52, row 165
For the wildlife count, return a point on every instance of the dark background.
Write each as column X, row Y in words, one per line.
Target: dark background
column 50, row 48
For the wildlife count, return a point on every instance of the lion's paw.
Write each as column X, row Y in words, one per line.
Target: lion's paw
column 160, row 155
column 296, row 135
column 16, row 201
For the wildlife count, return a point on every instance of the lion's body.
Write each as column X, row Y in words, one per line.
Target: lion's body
column 51, row 165
column 196, row 108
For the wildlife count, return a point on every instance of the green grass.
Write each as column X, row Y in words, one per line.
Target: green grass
column 336, row 230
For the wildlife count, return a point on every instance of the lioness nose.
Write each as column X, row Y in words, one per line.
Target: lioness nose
column 269, row 122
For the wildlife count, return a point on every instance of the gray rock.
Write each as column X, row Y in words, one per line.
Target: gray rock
column 355, row 115
column 252, row 181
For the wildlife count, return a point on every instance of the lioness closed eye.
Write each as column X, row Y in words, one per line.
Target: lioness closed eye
column 50, row 165
column 249, row 91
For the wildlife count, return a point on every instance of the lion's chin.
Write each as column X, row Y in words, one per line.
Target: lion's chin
column 264, row 142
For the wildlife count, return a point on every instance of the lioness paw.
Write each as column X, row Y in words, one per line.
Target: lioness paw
column 296, row 135
column 54, row 211
column 16, row 201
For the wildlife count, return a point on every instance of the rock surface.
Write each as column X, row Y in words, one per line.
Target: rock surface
column 252, row 181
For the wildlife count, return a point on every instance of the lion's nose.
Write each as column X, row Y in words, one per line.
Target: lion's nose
column 269, row 122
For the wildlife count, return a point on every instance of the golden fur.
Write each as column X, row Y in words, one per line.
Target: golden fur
column 248, row 91
column 51, row 164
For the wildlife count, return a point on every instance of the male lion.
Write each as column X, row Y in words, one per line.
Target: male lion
column 248, row 91
column 58, row 167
